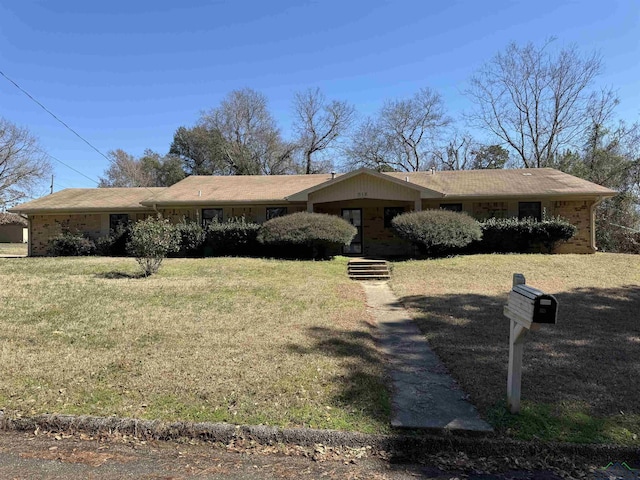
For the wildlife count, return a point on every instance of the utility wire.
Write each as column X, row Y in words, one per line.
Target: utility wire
column 53, row 114
column 69, row 166
column 67, row 127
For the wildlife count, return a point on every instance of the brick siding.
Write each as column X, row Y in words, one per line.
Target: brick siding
column 579, row 214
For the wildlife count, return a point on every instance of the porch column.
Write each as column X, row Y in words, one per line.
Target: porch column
column 309, row 206
column 417, row 205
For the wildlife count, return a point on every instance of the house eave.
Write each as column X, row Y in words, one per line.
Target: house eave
column 545, row 195
column 56, row 211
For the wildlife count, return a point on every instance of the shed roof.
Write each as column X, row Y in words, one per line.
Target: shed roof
column 12, row 219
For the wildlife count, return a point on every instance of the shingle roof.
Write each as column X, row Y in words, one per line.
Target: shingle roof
column 12, row 219
column 505, row 183
column 90, row 199
column 201, row 190
column 240, row 188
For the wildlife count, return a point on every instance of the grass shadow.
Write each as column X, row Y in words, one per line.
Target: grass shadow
column 116, row 275
column 586, row 364
column 363, row 389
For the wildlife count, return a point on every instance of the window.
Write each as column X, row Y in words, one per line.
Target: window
column 390, row 213
column 273, row 212
column 529, row 210
column 118, row 219
column 452, row 207
column 211, row 215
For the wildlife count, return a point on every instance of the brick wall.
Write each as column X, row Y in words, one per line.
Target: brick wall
column 44, row 227
column 485, row 210
column 579, row 214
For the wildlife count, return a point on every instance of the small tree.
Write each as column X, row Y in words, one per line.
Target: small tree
column 151, row 241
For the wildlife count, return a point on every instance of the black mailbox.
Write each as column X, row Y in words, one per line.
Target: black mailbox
column 533, row 304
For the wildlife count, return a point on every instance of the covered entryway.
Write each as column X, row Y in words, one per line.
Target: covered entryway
column 368, row 200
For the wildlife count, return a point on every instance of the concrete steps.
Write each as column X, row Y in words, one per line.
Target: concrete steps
column 366, row 269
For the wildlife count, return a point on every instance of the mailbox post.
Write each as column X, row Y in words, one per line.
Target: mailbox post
column 527, row 308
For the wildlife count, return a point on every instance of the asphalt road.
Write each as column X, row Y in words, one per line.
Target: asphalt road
column 46, row 456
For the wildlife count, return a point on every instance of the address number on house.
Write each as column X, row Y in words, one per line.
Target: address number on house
column 362, row 194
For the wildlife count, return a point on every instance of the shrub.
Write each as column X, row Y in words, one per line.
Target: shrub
column 151, row 241
column 436, row 232
column 69, row 244
column 315, row 234
column 114, row 244
column 192, row 237
column 233, row 237
column 507, row 235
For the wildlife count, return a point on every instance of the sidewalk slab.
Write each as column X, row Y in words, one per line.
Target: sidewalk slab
column 424, row 395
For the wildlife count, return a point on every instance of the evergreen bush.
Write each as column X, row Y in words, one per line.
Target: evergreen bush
column 192, row 237
column 233, row 237
column 437, row 232
column 305, row 234
column 527, row 235
column 69, row 244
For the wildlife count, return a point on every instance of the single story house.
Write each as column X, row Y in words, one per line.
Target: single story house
column 366, row 198
column 13, row 228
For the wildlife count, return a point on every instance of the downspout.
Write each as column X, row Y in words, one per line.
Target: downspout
column 592, row 215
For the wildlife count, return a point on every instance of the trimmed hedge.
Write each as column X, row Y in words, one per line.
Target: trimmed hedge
column 437, row 232
column 69, row 244
column 305, row 234
column 233, row 237
column 192, row 237
column 510, row 235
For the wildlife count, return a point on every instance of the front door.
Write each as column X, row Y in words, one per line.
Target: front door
column 354, row 217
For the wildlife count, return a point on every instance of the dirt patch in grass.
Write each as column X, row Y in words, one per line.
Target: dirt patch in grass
column 237, row 340
column 579, row 376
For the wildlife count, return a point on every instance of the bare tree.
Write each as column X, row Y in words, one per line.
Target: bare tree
column 125, row 171
column 252, row 140
column 457, row 153
column 404, row 132
column 368, row 147
column 23, row 165
column 318, row 124
column 535, row 101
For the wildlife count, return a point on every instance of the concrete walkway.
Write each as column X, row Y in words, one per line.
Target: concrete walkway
column 424, row 395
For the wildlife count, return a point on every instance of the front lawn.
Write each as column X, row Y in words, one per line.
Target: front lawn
column 13, row 248
column 580, row 377
column 220, row 339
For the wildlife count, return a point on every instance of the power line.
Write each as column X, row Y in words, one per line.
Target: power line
column 69, row 166
column 67, row 127
column 53, row 115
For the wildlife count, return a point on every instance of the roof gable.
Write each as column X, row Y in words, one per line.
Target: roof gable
column 424, row 192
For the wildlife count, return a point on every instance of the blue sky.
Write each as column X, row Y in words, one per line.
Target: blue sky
column 127, row 74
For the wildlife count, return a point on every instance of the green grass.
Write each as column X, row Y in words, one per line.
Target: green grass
column 13, row 248
column 256, row 341
column 580, row 376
